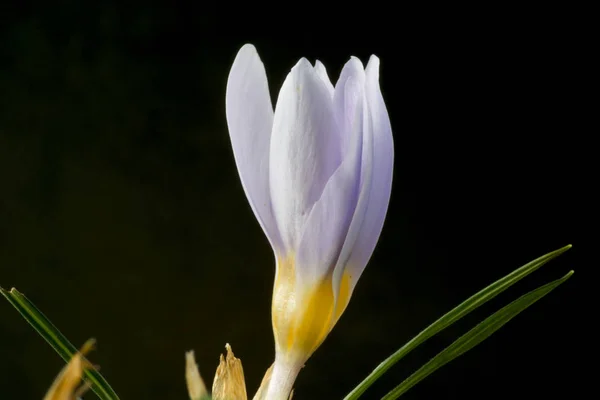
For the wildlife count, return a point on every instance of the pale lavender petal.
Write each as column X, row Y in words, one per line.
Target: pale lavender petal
column 356, row 225
column 328, row 221
column 304, row 151
column 381, row 182
column 353, row 69
column 322, row 72
column 250, row 121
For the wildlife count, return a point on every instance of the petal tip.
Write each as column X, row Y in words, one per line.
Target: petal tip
column 302, row 63
column 374, row 61
column 246, row 54
column 356, row 62
column 249, row 47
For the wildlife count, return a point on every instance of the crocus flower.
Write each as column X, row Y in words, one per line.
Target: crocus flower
column 317, row 172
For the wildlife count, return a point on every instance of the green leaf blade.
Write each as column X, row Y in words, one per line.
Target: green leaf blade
column 56, row 340
column 475, row 336
column 466, row 307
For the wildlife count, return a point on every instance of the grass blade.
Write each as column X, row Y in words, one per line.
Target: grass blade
column 452, row 316
column 56, row 340
column 475, row 336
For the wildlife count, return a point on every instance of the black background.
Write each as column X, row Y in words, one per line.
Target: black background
column 122, row 216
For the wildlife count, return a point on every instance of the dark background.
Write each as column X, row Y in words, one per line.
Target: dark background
column 122, row 216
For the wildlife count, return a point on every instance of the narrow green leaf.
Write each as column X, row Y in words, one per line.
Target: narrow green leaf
column 452, row 316
column 475, row 336
column 56, row 339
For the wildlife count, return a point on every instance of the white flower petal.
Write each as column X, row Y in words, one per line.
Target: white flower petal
column 382, row 171
column 353, row 69
column 356, row 225
column 250, row 120
column 304, row 151
column 328, row 221
column 322, row 72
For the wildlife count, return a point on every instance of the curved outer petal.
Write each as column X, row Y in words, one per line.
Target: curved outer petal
column 328, row 221
column 250, row 120
column 304, row 151
column 381, row 183
column 322, row 72
column 342, row 271
column 352, row 69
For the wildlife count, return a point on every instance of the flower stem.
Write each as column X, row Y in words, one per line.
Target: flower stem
column 282, row 380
